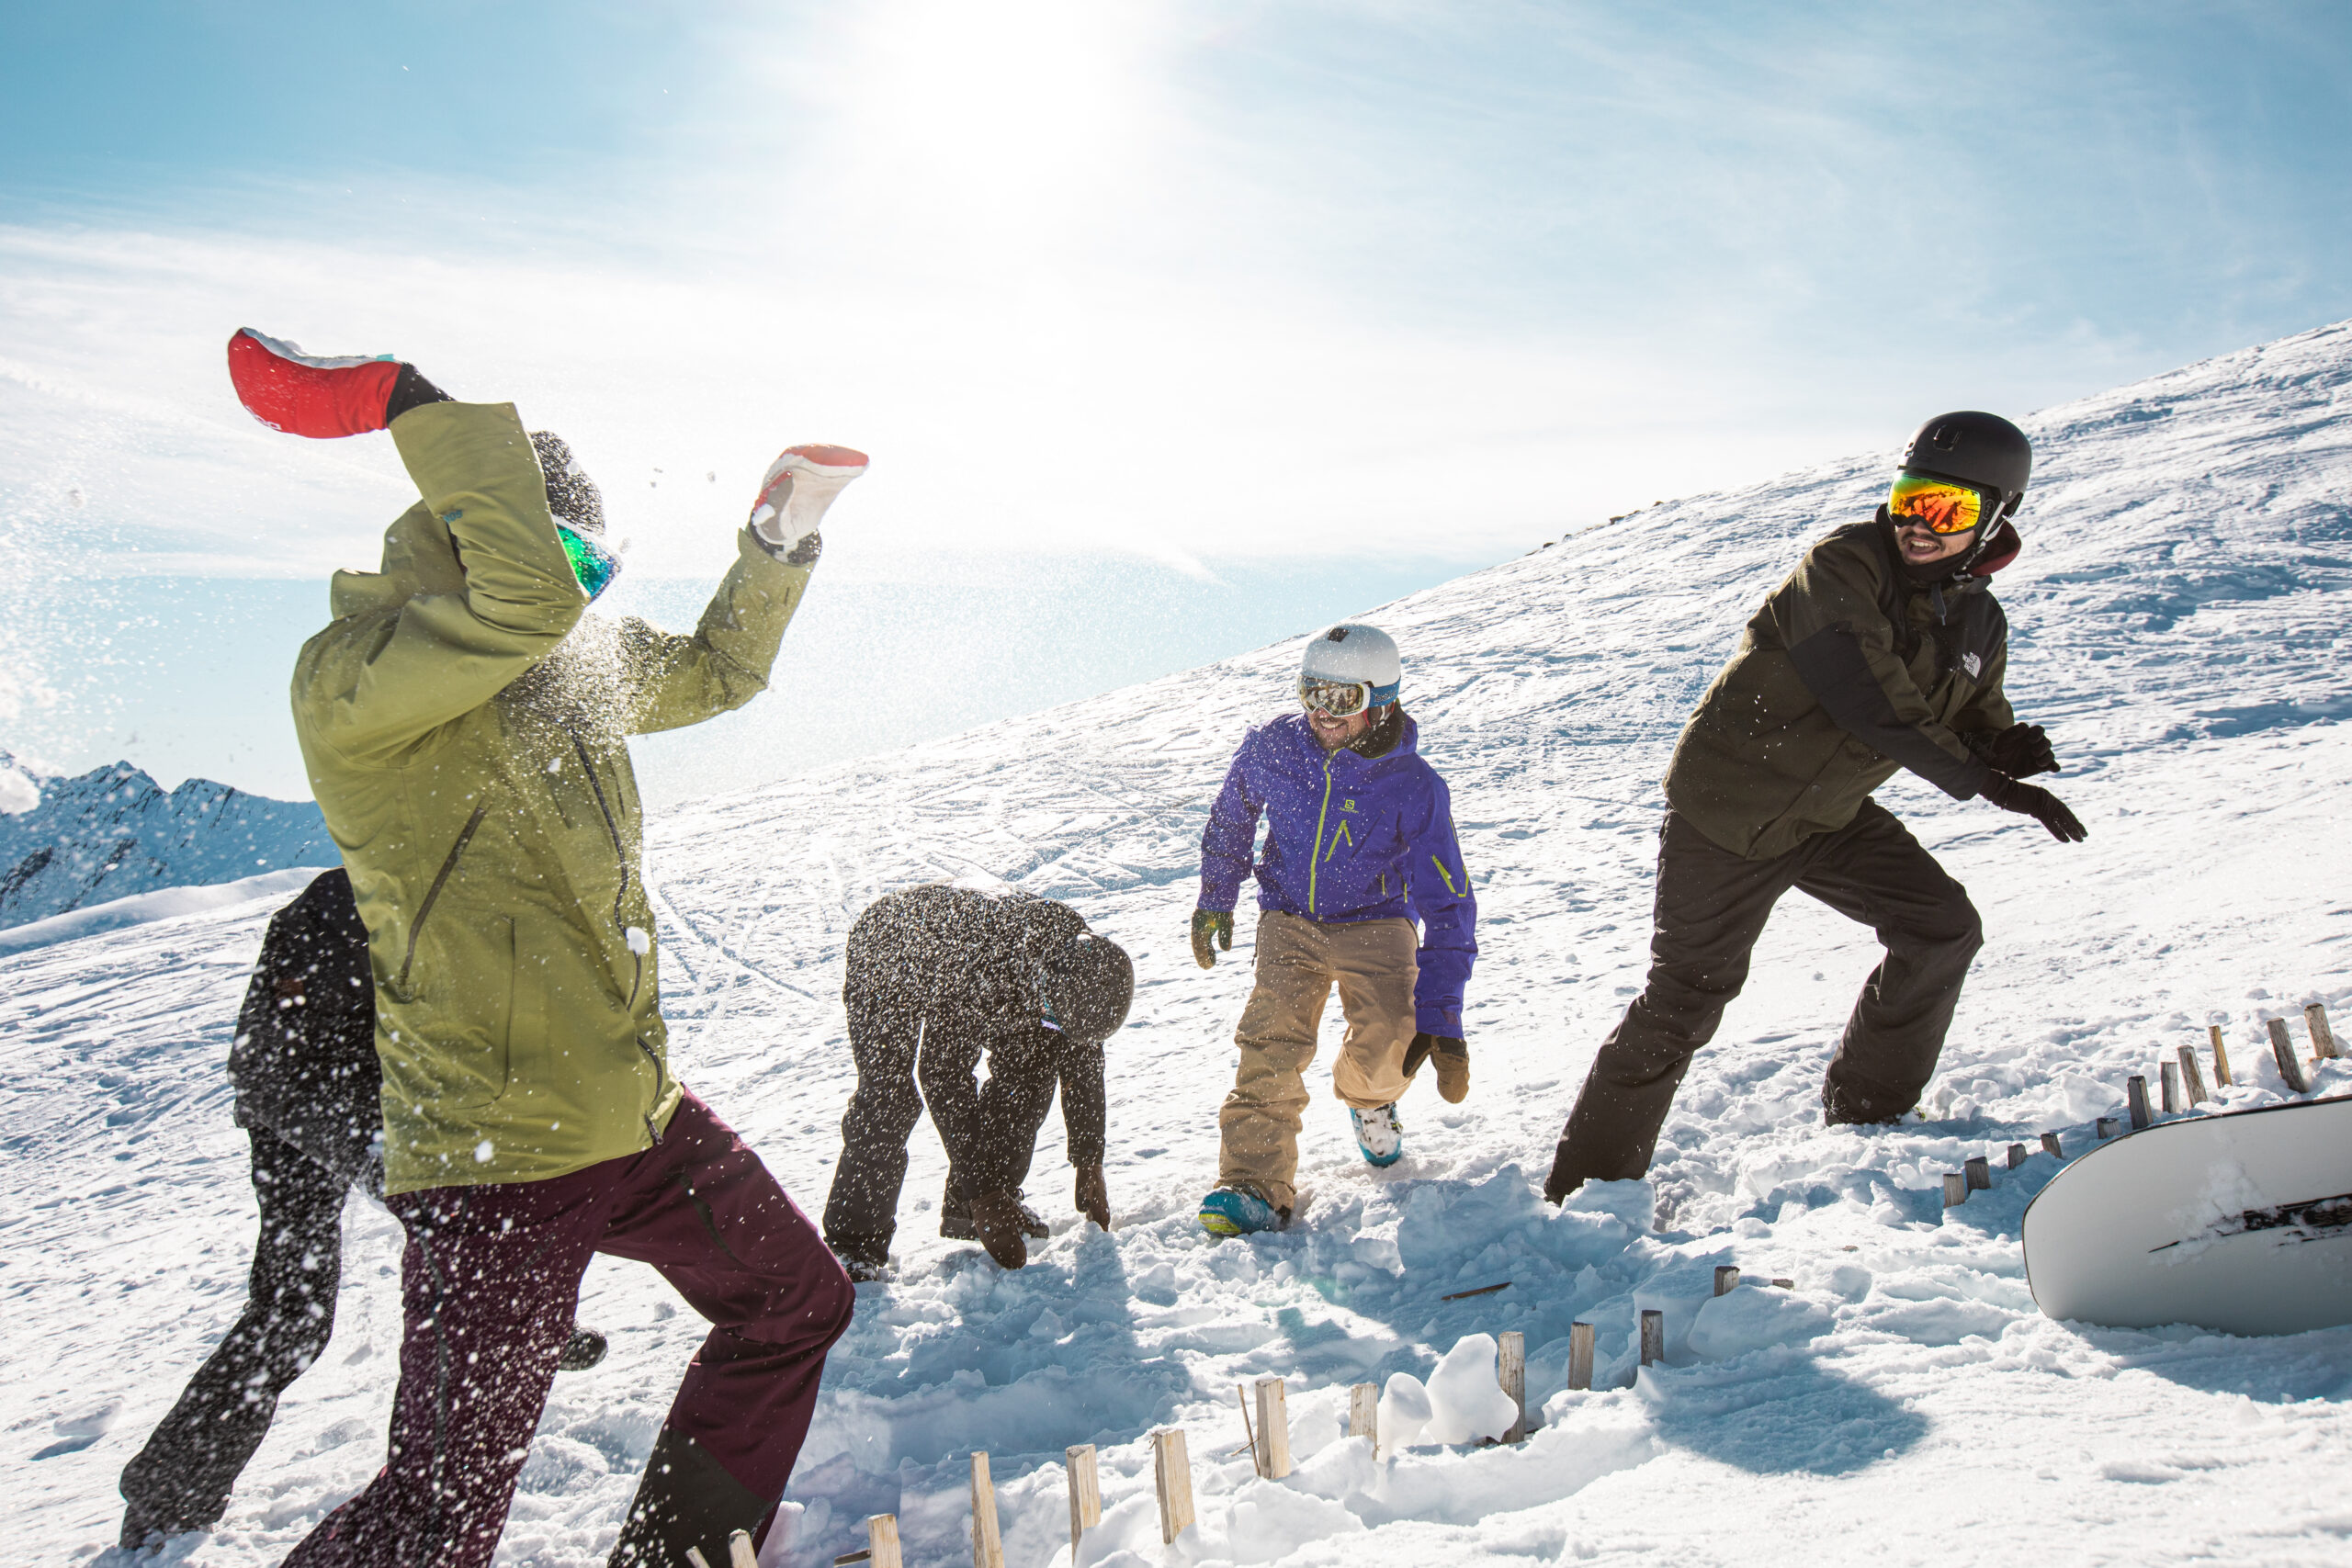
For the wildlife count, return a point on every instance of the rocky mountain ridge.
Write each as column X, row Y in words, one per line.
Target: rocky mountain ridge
column 114, row 831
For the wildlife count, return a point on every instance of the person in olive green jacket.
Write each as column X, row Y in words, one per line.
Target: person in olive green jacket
column 1883, row 649
column 464, row 725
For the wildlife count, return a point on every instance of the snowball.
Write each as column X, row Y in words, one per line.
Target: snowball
column 1404, row 1411
column 1850, row 1280
column 1266, row 1521
column 639, row 942
column 1750, row 1318
column 1467, row 1402
column 483, row 1151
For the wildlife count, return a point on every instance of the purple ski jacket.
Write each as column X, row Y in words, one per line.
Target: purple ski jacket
column 1349, row 838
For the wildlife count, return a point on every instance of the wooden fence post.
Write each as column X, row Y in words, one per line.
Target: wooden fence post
column 2323, row 1037
column 2221, row 1079
column 740, row 1553
column 2190, row 1078
column 1726, row 1278
column 2052, row 1146
column 2169, row 1076
column 1085, row 1493
column 2291, row 1065
column 1979, row 1171
column 1653, row 1336
column 1955, row 1189
column 988, row 1544
column 2135, row 1101
column 1363, row 1414
column 1274, row 1429
column 1171, row 1473
column 882, row 1541
column 2017, row 1155
column 2105, row 1128
column 1511, row 1371
column 1579, row 1354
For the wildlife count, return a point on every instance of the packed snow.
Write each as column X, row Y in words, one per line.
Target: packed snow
column 2179, row 624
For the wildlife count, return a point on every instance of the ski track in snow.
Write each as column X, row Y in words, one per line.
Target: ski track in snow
column 2179, row 621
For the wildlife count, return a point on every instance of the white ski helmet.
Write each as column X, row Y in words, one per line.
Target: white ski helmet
column 1357, row 655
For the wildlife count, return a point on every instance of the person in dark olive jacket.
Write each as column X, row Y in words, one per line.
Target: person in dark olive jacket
column 308, row 1095
column 937, row 977
column 1883, row 649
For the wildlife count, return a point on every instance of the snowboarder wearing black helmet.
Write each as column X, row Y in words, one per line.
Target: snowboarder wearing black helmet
column 1882, row 649
column 937, row 975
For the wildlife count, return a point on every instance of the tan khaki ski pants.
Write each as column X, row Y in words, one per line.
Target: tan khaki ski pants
column 1300, row 961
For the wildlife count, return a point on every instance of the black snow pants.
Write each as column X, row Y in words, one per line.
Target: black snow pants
column 1711, row 906
column 181, row 1480
column 991, row 1132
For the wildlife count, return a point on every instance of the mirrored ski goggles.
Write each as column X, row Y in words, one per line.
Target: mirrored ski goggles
column 1341, row 699
column 594, row 565
column 1942, row 505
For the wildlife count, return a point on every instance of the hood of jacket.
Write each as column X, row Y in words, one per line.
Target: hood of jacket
column 419, row 557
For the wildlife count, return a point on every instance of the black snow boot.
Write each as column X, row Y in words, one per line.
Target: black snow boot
column 686, row 1499
column 865, row 1259
column 955, row 1221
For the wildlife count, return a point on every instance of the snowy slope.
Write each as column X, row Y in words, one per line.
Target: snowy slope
column 114, row 833
column 2179, row 621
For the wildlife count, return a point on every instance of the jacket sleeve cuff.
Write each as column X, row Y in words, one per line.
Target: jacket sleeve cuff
column 1218, row 894
column 803, row 553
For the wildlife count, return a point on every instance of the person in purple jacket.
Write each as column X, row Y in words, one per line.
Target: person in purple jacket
column 1359, row 842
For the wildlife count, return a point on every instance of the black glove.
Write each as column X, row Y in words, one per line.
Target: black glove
column 2028, row 800
column 1207, row 924
column 1419, row 1051
column 1453, row 1063
column 2021, row 750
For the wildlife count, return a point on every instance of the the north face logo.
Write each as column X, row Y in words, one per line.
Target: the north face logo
column 1974, row 665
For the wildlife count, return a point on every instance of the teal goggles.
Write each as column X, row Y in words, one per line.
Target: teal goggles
column 594, row 565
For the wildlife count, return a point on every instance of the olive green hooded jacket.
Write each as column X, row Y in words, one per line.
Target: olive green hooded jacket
column 1848, row 671
column 465, row 730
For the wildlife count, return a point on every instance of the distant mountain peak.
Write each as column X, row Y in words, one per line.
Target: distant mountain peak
column 113, row 831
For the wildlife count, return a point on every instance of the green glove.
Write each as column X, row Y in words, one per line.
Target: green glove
column 1207, row 923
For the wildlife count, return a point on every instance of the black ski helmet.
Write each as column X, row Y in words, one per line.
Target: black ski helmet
column 1090, row 983
column 1981, row 450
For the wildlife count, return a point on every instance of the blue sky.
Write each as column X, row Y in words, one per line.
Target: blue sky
column 1593, row 253
column 1420, row 283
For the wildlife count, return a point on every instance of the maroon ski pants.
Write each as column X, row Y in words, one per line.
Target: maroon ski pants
column 489, row 1282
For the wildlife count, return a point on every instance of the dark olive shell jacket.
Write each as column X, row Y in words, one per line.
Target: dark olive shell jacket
column 1848, row 671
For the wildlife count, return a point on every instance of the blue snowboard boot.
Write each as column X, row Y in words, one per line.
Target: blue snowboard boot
column 1237, row 1211
column 1379, row 1134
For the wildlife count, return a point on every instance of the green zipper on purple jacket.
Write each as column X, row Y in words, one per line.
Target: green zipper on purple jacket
column 1315, row 862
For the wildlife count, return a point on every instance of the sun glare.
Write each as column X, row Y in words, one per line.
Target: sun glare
column 1004, row 122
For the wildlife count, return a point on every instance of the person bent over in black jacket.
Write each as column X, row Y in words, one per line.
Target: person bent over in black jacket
column 937, row 975
column 1883, row 649
column 308, row 1096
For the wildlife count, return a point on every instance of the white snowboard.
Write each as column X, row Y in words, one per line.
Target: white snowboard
column 2240, row 1222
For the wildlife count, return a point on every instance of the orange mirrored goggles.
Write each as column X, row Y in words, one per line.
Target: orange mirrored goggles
column 1943, row 505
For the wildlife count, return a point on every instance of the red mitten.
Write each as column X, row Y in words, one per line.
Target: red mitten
column 304, row 394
